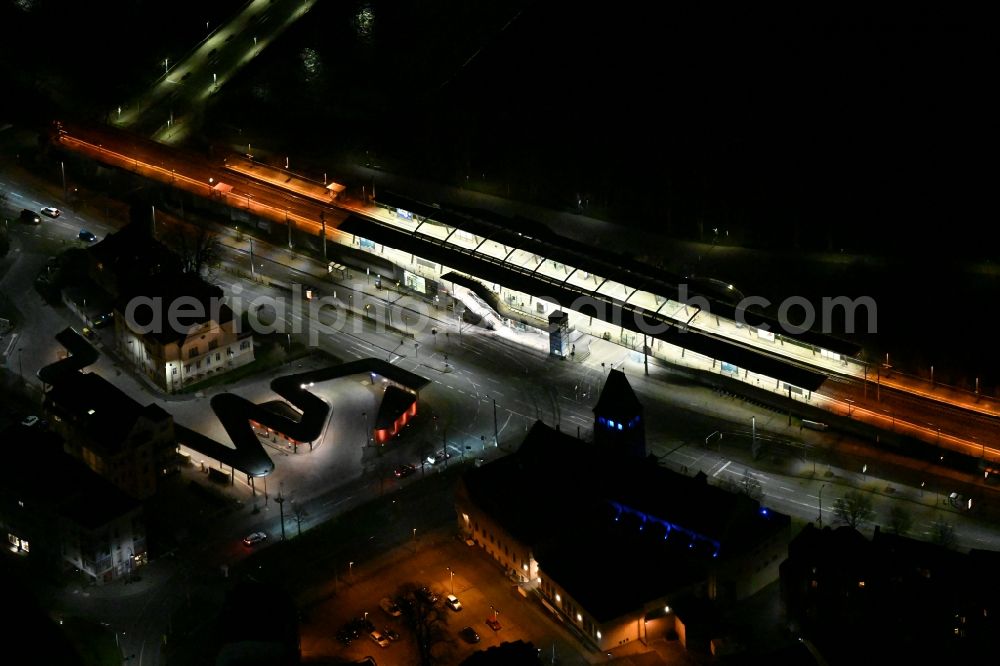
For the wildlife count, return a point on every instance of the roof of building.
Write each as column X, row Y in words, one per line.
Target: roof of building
column 569, row 496
column 104, row 412
column 172, row 290
column 81, row 354
column 282, row 408
column 52, row 478
column 537, row 238
column 395, row 401
column 132, row 252
column 623, row 568
column 603, row 307
column 617, row 397
column 89, row 298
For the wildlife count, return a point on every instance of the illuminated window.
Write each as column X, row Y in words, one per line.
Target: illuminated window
column 861, row 584
column 558, row 598
column 619, row 426
column 579, row 618
column 598, row 635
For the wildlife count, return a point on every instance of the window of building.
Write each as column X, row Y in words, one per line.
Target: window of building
column 218, row 356
column 245, row 345
column 208, row 360
column 193, row 352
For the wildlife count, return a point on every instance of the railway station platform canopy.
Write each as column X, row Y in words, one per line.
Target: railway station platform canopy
column 523, row 255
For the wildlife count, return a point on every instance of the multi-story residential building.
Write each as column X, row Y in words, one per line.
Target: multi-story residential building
column 177, row 331
column 58, row 513
column 129, row 444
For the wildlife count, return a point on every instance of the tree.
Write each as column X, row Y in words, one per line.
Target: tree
column 854, row 509
column 943, row 534
column 197, row 247
column 427, row 621
column 4, row 243
column 300, row 513
column 900, row 520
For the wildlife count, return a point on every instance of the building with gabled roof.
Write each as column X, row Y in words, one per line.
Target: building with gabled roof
column 127, row 443
column 179, row 346
column 57, row 512
column 609, row 541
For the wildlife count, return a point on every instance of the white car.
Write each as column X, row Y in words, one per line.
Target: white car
column 51, row 212
column 452, row 602
column 29, row 420
column 381, row 639
column 255, row 537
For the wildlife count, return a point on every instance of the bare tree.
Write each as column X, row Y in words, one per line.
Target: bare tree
column 197, row 247
column 299, row 513
column 900, row 520
column 854, row 509
column 427, row 621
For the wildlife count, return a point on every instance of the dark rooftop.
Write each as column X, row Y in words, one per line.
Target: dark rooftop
column 106, row 413
column 617, row 397
column 132, row 254
column 394, row 402
column 55, row 479
column 169, row 289
column 568, row 498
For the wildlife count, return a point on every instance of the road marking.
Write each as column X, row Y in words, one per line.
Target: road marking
column 723, row 468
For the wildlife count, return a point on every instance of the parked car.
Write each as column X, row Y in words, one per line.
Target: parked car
column 29, row 420
column 29, row 217
column 452, row 602
column 345, row 637
column 254, row 538
column 428, row 596
column 86, row 236
column 438, row 457
column 404, row 470
column 390, row 607
column 51, row 212
column 469, row 635
column 391, row 634
column 493, row 623
column 380, row 638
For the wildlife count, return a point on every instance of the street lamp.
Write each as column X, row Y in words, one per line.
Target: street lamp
column 452, row 574
column 367, row 429
column 350, row 570
column 496, row 430
column 820, row 519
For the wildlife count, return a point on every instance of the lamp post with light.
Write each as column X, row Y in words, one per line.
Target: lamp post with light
column 820, row 518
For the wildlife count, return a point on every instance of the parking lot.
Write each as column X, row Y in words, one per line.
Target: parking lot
column 429, row 561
